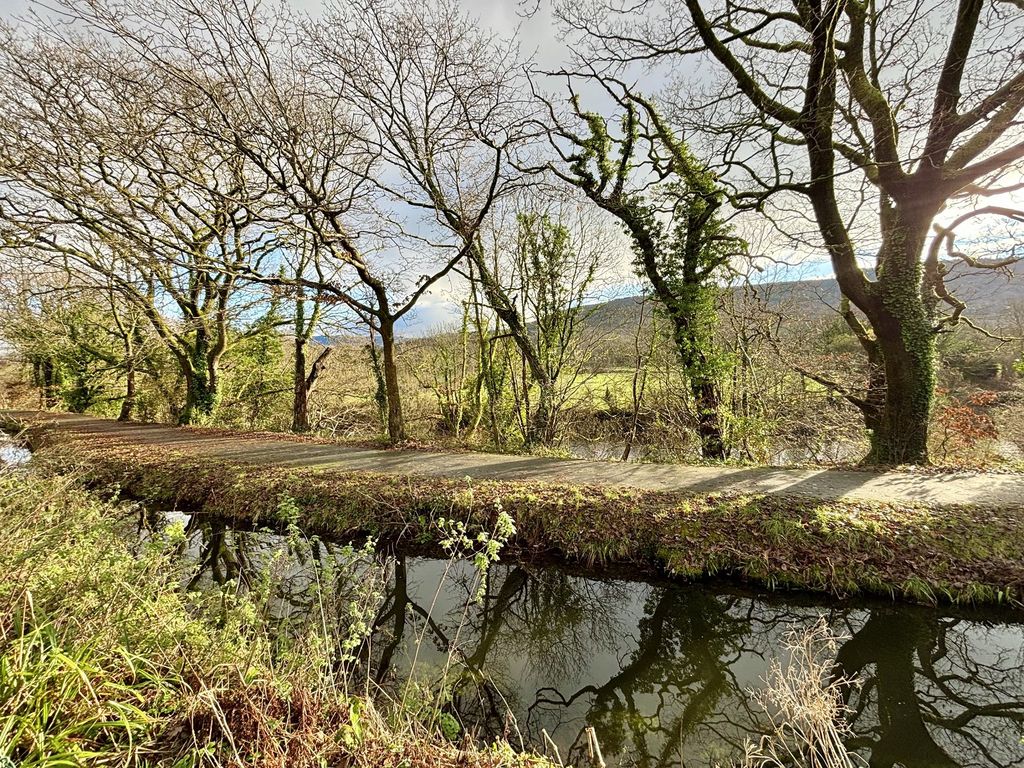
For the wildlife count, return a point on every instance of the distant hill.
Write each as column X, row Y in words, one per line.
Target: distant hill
column 989, row 296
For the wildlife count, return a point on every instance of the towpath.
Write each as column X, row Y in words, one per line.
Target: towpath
column 1004, row 491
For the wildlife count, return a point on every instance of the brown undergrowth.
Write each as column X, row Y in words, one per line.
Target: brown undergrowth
column 962, row 554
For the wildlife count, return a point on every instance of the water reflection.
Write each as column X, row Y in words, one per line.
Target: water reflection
column 12, row 453
column 662, row 671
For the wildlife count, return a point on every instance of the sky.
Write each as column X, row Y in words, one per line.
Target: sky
column 539, row 37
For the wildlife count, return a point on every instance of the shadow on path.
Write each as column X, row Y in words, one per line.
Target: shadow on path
column 998, row 490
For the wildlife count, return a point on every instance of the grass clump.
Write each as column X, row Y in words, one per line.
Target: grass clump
column 106, row 660
column 912, row 551
column 803, row 701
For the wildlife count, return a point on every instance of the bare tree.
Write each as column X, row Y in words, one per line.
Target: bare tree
column 103, row 179
column 351, row 119
column 891, row 110
column 442, row 106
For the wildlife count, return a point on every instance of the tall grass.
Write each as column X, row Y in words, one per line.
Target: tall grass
column 803, row 700
column 106, row 661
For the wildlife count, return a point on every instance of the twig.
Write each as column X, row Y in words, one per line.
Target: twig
column 552, row 745
column 594, row 748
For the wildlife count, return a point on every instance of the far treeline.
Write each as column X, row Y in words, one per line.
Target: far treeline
column 226, row 212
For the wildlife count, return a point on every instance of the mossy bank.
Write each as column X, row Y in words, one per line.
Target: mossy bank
column 961, row 554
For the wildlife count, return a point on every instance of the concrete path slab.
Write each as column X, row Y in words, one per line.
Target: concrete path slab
column 1004, row 491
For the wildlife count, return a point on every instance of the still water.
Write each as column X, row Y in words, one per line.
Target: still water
column 12, row 453
column 664, row 672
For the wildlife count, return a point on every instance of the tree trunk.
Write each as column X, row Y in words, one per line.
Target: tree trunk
column 304, row 383
column 201, row 398
column 900, row 435
column 503, row 307
column 893, row 302
column 704, row 387
column 487, row 372
column 128, row 404
column 300, row 398
column 906, row 339
column 202, row 395
column 50, row 384
column 708, row 401
column 396, row 424
column 202, row 381
column 542, row 428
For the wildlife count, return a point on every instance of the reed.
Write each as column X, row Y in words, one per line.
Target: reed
column 804, row 705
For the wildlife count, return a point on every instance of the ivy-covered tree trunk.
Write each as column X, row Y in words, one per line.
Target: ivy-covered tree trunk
column 492, row 379
column 682, row 261
column 901, row 434
column 202, row 383
column 202, row 396
column 702, row 378
column 707, row 399
column 691, row 310
column 905, row 335
column 897, row 304
column 542, row 429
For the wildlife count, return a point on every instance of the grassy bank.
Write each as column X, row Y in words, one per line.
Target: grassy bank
column 966, row 554
column 105, row 660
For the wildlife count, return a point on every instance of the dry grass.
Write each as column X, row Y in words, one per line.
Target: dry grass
column 803, row 700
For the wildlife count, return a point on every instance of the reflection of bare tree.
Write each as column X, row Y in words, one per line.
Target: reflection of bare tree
column 547, row 621
column 662, row 672
column 551, row 624
column 935, row 692
column 930, row 697
column 222, row 555
column 550, row 619
column 392, row 611
column 668, row 685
